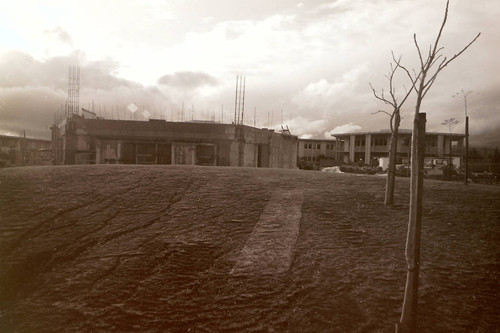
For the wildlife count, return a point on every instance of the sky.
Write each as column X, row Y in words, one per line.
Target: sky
column 307, row 65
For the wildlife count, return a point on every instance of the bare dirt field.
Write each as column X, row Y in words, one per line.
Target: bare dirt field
column 194, row 249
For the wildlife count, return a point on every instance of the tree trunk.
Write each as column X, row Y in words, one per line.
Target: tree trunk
column 408, row 322
column 391, row 171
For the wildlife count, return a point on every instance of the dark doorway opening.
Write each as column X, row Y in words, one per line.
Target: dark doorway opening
column 205, row 155
column 128, row 153
column 164, row 154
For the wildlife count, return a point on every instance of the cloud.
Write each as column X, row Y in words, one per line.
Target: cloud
column 188, row 80
column 208, row 19
column 313, row 60
column 21, row 70
column 188, row 87
column 305, row 128
column 61, row 35
column 323, row 94
column 346, row 128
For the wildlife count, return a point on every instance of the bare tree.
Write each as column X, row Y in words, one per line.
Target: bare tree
column 395, row 120
column 430, row 67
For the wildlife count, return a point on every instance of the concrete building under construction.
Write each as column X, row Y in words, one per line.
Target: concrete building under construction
column 82, row 140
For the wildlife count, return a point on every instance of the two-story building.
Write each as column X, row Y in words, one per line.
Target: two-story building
column 318, row 152
column 367, row 146
column 23, row 151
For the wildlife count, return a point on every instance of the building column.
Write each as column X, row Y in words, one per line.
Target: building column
column 98, row 151
column 351, row 148
column 156, row 153
column 172, row 154
column 368, row 149
column 440, row 146
column 338, row 153
column 136, row 157
column 119, row 152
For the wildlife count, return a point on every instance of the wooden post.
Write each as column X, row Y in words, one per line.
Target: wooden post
column 408, row 322
column 466, row 150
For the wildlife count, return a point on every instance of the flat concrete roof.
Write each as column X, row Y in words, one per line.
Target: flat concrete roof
column 329, row 140
column 27, row 138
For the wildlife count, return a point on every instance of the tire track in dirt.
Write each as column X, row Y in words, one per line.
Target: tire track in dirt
column 68, row 251
column 169, row 203
column 7, row 249
column 144, row 190
column 41, row 227
column 146, row 237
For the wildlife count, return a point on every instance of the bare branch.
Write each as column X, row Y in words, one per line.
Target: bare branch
column 436, row 59
column 412, row 80
column 442, row 27
column 392, row 89
column 382, row 111
column 381, row 97
column 415, row 73
column 418, row 49
column 443, row 64
column 430, row 83
column 427, row 85
column 459, row 53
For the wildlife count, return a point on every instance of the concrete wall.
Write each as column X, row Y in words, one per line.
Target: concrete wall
column 282, row 151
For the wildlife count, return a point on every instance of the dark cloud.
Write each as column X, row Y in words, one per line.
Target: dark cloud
column 60, row 34
column 20, row 70
column 487, row 139
column 188, row 80
column 33, row 91
column 29, row 108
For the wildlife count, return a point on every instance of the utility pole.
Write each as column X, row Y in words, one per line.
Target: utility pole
column 465, row 95
column 450, row 122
